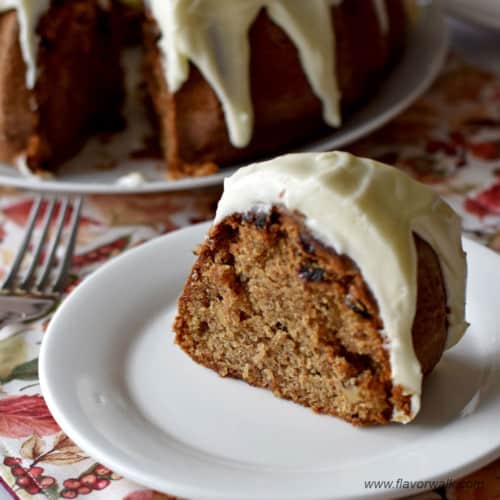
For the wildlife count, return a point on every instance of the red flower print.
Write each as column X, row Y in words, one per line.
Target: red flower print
column 435, row 146
column 30, row 479
column 102, row 253
column 22, row 416
column 140, row 495
column 19, row 213
column 485, row 150
column 486, row 202
column 149, row 495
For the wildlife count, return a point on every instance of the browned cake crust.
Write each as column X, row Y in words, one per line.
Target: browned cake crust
column 193, row 129
column 78, row 91
column 269, row 304
column 17, row 121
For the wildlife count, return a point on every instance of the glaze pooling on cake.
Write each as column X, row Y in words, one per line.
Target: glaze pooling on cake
column 369, row 212
column 214, row 36
column 29, row 13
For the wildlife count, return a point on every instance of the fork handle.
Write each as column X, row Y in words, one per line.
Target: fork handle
column 22, row 309
column 8, row 318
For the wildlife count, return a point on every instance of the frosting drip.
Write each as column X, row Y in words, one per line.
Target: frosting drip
column 29, row 13
column 382, row 15
column 380, row 209
column 213, row 35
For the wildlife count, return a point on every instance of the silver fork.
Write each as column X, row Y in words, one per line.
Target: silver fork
column 31, row 296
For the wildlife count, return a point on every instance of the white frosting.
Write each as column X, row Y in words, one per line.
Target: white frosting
column 382, row 15
column 369, row 212
column 23, row 168
column 131, row 180
column 29, row 13
column 213, row 35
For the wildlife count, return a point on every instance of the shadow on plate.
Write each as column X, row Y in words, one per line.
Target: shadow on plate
column 451, row 391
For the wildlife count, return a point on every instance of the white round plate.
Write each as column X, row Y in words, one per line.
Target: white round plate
column 485, row 13
column 422, row 61
column 125, row 393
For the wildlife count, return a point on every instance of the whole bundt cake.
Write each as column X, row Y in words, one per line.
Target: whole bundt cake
column 229, row 80
column 334, row 281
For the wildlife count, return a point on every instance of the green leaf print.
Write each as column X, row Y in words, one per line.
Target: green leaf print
column 24, row 371
column 12, row 353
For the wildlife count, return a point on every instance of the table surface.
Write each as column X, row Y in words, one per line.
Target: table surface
column 449, row 139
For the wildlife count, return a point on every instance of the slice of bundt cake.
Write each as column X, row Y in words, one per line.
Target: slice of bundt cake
column 60, row 78
column 334, row 281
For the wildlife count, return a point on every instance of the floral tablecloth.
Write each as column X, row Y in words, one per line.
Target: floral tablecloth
column 449, row 139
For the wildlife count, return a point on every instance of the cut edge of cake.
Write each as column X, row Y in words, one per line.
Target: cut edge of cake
column 61, row 80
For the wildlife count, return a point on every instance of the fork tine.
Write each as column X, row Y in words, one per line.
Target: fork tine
column 9, row 280
column 45, row 273
column 68, row 254
column 39, row 247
